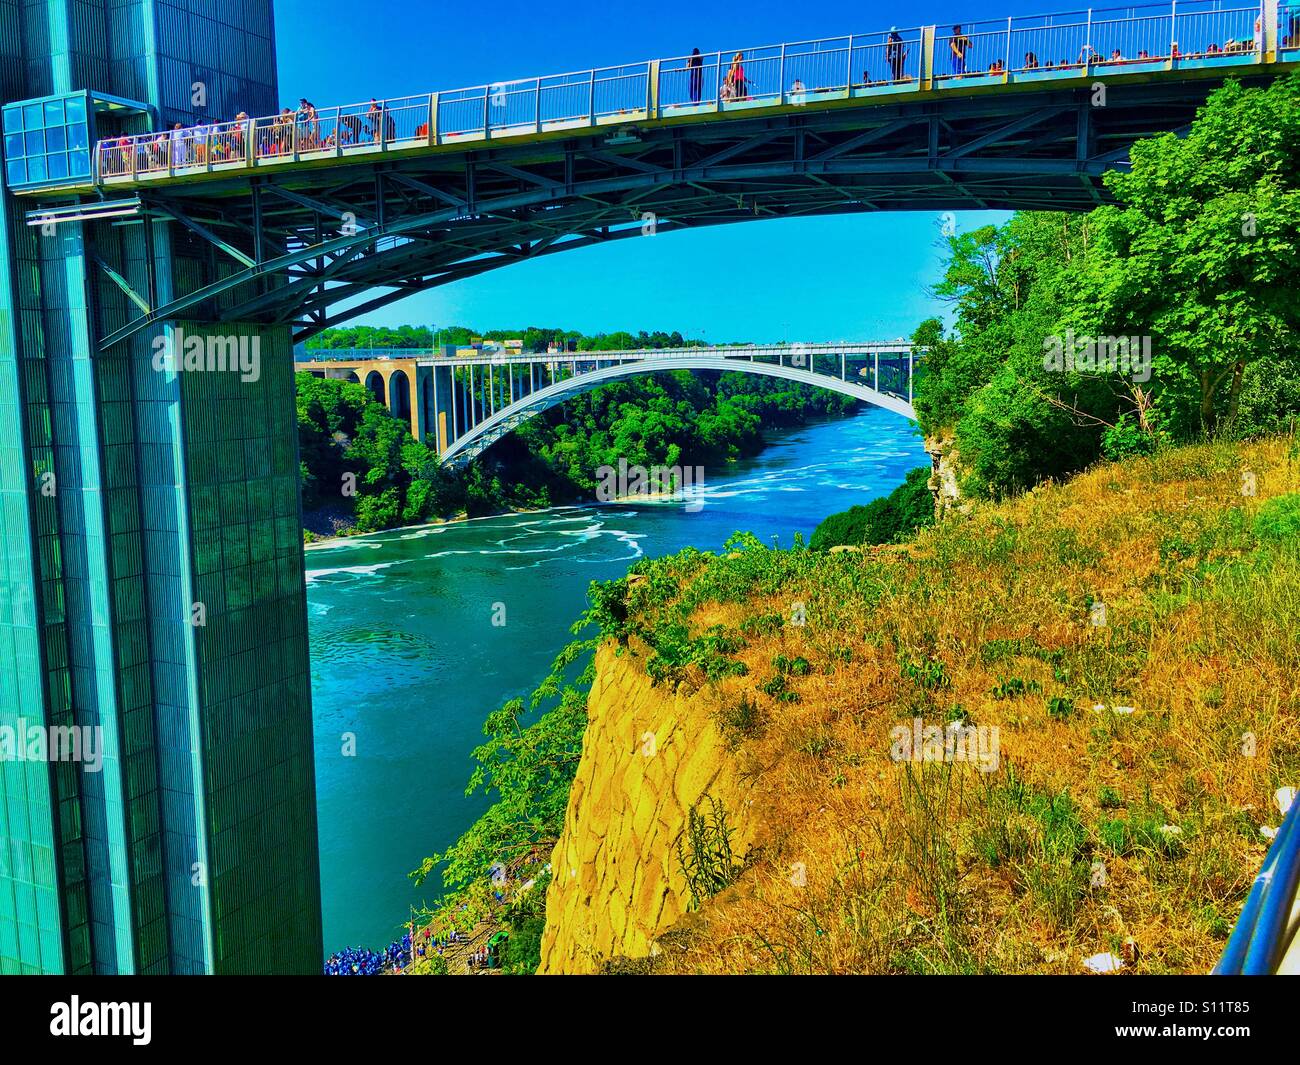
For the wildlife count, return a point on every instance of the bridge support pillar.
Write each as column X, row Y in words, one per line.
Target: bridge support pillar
column 154, row 561
column 442, row 422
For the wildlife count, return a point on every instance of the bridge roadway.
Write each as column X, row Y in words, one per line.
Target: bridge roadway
column 312, row 219
column 462, row 404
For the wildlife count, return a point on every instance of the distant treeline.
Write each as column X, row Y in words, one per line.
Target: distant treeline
column 535, row 338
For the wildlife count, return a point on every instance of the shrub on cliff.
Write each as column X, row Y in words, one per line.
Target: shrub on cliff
column 1278, row 519
column 887, row 520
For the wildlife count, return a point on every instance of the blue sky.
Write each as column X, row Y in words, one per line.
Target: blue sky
column 839, row 278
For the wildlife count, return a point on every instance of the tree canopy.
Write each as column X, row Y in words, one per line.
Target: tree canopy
column 1189, row 275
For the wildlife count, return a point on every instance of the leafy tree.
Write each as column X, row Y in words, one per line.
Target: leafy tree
column 1195, row 262
column 890, row 519
column 1203, row 250
column 346, row 438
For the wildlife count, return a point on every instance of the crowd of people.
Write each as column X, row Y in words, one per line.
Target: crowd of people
column 301, row 129
column 960, row 49
column 356, row 961
column 359, row 961
column 293, row 129
column 399, row 955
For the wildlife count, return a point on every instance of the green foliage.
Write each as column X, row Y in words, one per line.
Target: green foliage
column 890, row 519
column 740, row 720
column 675, row 649
column 360, row 463
column 1278, row 519
column 1204, row 250
column 535, row 338
column 704, row 852
column 928, row 674
column 523, row 950
column 1014, row 687
column 1060, row 707
column 1197, row 259
column 1126, row 439
column 434, row 965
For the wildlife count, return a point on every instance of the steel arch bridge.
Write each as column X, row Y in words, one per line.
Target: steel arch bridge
column 472, row 443
column 309, row 222
column 462, row 405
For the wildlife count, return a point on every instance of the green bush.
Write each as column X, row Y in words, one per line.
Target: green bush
column 887, row 520
column 523, row 950
column 1278, row 519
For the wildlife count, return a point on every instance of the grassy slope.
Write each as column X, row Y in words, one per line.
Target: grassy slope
column 1097, row 828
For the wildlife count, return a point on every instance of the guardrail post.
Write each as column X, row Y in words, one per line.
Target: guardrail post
column 1173, row 28
column 487, row 103
column 537, row 104
column 925, row 74
column 782, row 97
column 250, row 141
column 433, row 119
column 1268, row 47
column 848, row 81
column 591, row 99
column 1006, row 62
column 652, row 89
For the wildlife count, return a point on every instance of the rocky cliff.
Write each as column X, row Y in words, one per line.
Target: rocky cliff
column 649, row 755
column 944, row 474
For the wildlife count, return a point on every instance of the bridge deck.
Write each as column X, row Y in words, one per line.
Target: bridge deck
column 1188, row 38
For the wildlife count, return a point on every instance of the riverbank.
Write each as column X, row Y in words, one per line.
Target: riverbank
column 686, row 494
column 1055, row 732
column 406, row 657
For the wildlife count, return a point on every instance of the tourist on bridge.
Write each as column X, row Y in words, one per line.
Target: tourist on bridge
column 308, row 124
column 1031, row 61
column 895, row 54
column 695, row 64
column 736, row 78
column 958, row 45
column 179, row 154
column 237, row 133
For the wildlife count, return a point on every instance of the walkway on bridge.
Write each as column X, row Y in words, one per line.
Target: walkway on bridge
column 312, row 218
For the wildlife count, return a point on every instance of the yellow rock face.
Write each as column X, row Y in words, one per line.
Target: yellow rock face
column 649, row 754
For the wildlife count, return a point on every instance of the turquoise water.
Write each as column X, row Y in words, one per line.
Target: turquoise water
column 406, row 657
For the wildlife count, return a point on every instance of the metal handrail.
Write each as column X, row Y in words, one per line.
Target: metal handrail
column 1259, row 940
column 1020, row 45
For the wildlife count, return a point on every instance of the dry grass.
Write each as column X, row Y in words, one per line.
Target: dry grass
column 1133, row 833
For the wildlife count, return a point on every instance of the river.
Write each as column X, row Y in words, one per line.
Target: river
column 409, row 652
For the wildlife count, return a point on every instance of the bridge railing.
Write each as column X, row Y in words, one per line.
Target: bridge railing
column 1094, row 40
column 1100, row 39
